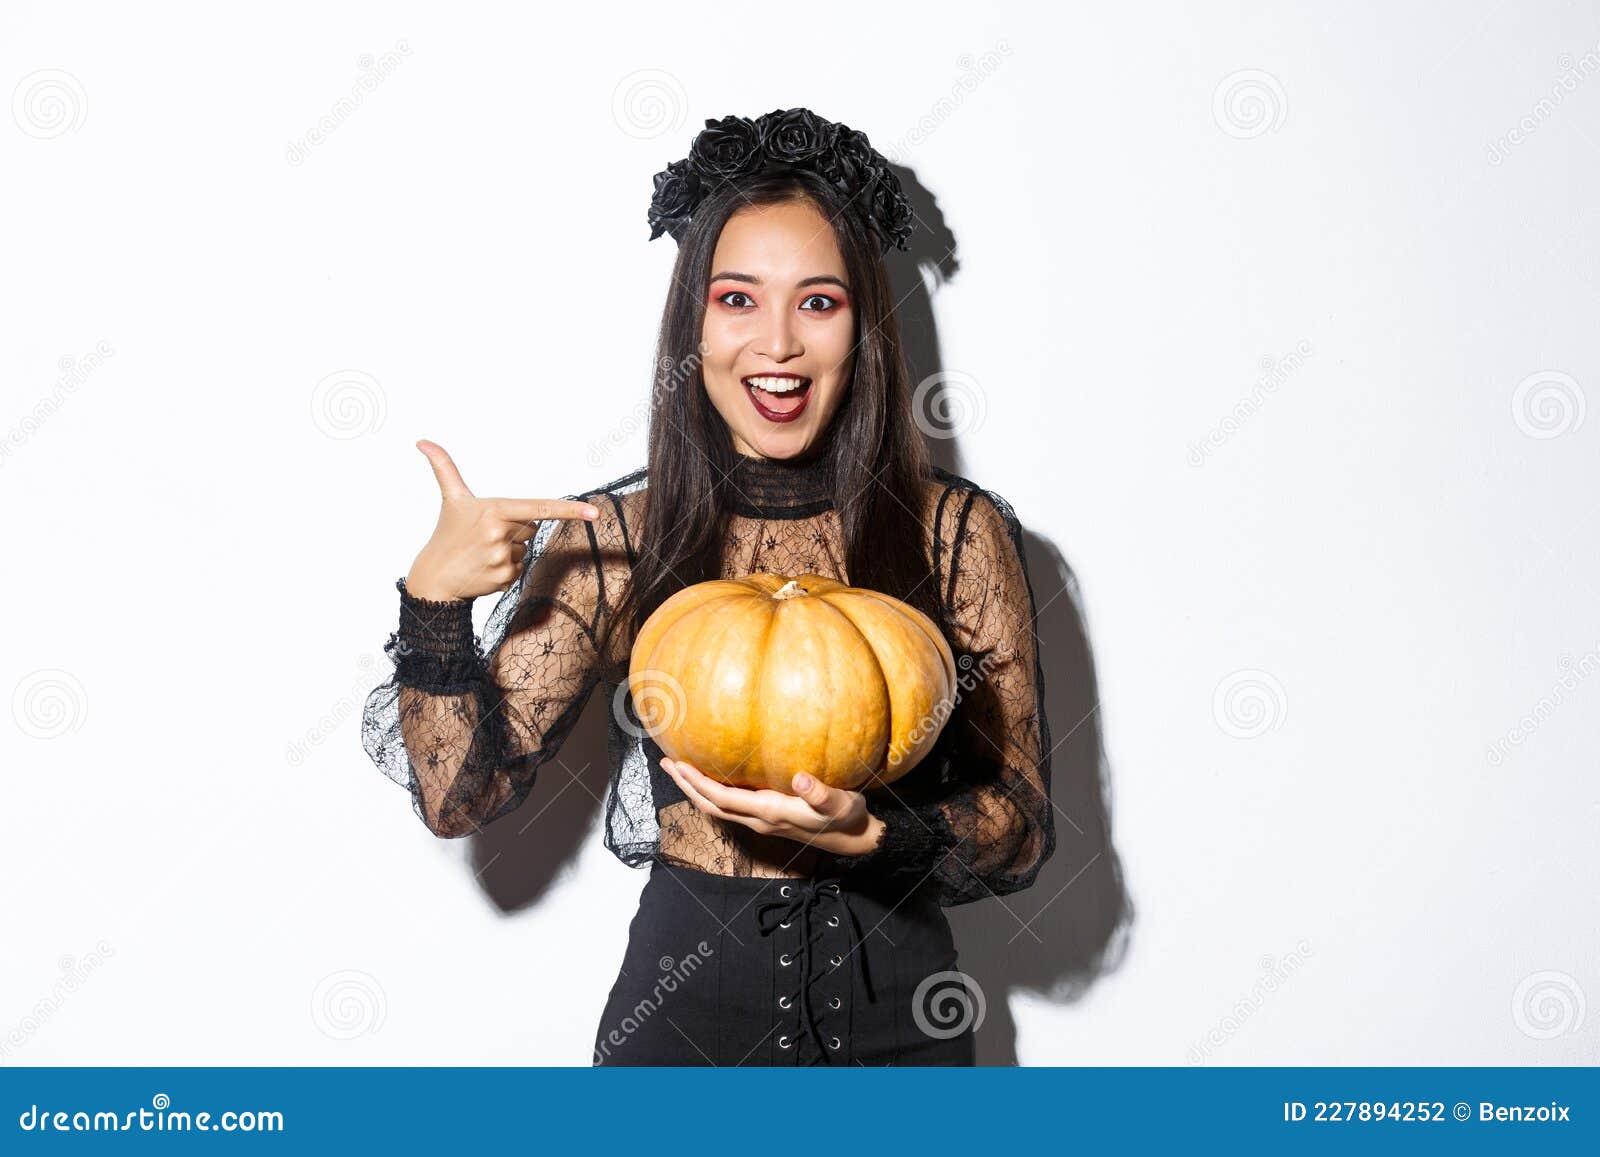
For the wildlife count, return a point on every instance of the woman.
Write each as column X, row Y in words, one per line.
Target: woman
column 774, row 928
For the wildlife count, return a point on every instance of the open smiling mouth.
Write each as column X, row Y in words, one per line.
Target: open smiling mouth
column 778, row 397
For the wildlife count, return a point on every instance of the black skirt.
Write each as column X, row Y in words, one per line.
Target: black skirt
column 749, row 970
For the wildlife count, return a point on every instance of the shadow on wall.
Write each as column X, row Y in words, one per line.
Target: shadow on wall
column 1053, row 939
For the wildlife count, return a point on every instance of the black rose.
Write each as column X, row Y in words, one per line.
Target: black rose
column 890, row 210
column 726, row 150
column 677, row 192
column 850, row 164
column 794, row 136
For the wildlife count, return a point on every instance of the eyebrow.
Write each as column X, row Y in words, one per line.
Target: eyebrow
column 820, row 279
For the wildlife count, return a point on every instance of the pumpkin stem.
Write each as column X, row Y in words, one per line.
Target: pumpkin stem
column 790, row 590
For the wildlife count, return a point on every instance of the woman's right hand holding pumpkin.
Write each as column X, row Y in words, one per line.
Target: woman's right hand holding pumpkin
column 478, row 544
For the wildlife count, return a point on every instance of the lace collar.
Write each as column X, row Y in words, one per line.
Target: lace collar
column 779, row 488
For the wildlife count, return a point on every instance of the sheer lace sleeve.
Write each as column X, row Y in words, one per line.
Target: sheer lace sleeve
column 465, row 728
column 984, row 827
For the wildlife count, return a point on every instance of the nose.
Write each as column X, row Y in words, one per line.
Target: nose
column 778, row 338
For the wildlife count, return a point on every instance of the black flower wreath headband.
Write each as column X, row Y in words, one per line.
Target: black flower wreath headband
column 734, row 149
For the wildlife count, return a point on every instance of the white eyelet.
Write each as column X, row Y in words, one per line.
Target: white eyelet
column 834, row 1043
column 786, row 960
column 833, row 921
column 784, row 891
column 785, row 924
column 783, row 1041
column 836, row 960
column 785, row 1002
column 833, row 1002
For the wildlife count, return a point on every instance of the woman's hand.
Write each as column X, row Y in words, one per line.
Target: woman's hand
column 829, row 818
column 479, row 543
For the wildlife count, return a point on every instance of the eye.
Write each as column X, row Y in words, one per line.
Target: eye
column 828, row 308
column 735, row 293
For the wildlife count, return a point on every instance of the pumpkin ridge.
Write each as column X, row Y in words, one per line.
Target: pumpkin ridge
column 765, row 650
column 896, row 611
column 929, row 627
column 883, row 683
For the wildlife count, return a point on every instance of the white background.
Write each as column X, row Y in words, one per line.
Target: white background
column 1283, row 835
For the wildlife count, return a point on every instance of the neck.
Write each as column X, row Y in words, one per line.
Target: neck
column 760, row 487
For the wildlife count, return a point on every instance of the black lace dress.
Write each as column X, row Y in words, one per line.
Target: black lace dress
column 778, row 933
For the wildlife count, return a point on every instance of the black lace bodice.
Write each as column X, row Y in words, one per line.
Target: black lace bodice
column 465, row 725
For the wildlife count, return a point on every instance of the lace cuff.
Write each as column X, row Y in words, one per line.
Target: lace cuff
column 915, row 837
column 435, row 649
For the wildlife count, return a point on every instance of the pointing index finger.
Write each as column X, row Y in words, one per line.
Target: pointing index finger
column 537, row 509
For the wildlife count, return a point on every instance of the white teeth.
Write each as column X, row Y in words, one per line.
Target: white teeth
column 777, row 385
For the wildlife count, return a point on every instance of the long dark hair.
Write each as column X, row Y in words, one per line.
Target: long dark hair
column 877, row 461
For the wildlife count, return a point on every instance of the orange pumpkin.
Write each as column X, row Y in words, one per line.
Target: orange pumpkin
column 756, row 678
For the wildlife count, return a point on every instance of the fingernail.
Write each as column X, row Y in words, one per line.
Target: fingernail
column 591, row 511
column 803, row 782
